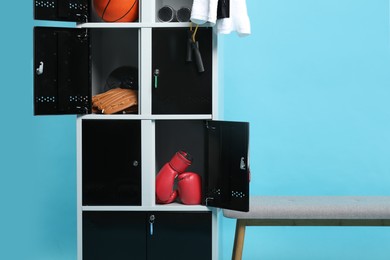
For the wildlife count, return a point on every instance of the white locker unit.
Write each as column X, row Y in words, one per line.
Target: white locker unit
column 119, row 155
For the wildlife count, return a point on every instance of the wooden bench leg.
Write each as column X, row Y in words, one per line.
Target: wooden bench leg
column 239, row 239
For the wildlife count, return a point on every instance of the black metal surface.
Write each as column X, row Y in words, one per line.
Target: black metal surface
column 121, row 235
column 180, row 88
column 180, row 235
column 114, row 235
column 227, row 177
column 111, row 168
column 61, row 10
column 63, row 87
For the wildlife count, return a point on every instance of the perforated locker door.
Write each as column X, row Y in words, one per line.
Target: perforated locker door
column 61, row 10
column 227, row 175
column 61, row 71
column 178, row 86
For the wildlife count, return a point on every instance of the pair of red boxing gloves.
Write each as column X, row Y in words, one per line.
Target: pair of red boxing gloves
column 189, row 184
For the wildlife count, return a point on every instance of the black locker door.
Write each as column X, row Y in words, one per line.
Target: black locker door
column 61, row 10
column 61, row 71
column 115, row 235
column 179, row 235
column 178, row 87
column 111, row 170
column 227, row 176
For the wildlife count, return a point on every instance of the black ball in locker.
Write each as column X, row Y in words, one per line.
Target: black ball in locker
column 166, row 14
column 183, row 14
column 122, row 77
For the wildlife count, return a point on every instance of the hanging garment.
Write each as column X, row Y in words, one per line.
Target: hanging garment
column 223, row 9
column 238, row 20
column 228, row 16
column 204, row 11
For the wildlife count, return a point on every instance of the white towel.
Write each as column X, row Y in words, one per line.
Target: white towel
column 238, row 20
column 204, row 11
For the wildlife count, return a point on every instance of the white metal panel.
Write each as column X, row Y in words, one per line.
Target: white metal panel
column 79, row 187
column 145, row 102
column 148, row 162
column 166, row 207
column 136, row 25
column 147, row 117
column 215, row 233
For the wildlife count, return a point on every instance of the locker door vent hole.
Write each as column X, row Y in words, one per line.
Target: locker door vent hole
column 77, row 6
column 238, row 194
column 78, row 99
column 215, row 191
column 45, row 99
column 44, row 4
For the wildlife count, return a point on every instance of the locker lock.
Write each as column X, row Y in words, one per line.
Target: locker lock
column 39, row 70
column 242, row 164
column 156, row 73
column 135, row 163
column 151, row 222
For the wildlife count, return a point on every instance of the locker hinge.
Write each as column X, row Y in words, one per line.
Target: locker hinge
column 83, row 35
column 82, row 110
column 83, row 18
column 207, row 200
column 210, row 126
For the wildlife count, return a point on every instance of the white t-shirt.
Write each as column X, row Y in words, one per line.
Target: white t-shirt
column 206, row 11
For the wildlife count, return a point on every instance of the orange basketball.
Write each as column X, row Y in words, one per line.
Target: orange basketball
column 117, row 10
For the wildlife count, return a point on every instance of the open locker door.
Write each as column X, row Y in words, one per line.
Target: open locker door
column 61, row 10
column 61, row 71
column 227, row 174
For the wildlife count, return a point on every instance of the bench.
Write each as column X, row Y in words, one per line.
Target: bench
column 309, row 211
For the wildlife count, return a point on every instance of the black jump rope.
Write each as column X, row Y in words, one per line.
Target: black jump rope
column 193, row 49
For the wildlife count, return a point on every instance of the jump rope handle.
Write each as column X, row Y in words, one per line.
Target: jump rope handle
column 189, row 46
column 198, row 57
column 193, row 46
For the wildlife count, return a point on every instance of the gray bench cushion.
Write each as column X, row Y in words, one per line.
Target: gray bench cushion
column 314, row 207
column 309, row 211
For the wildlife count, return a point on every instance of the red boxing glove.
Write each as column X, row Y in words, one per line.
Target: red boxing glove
column 171, row 198
column 166, row 177
column 190, row 188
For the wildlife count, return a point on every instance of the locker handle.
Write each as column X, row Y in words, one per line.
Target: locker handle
column 151, row 222
column 156, row 73
column 39, row 70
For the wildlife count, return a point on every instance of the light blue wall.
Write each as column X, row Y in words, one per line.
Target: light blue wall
column 37, row 155
column 313, row 80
